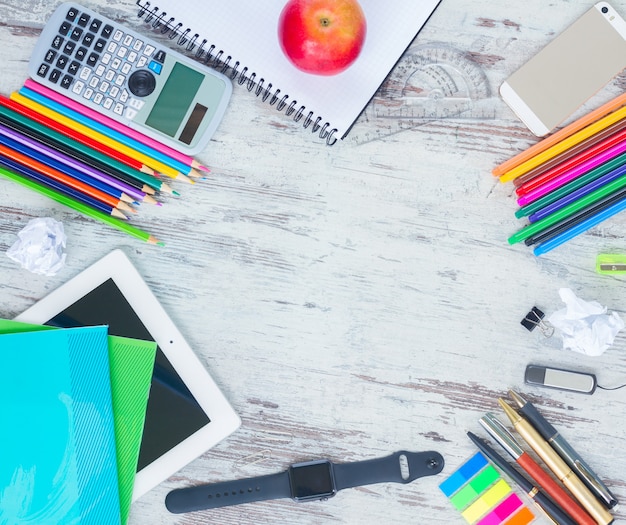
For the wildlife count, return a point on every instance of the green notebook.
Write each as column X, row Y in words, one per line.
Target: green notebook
column 131, row 363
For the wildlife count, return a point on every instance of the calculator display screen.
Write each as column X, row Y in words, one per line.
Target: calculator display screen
column 174, row 101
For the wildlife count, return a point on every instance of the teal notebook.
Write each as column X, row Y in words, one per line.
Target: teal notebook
column 58, row 462
column 131, row 362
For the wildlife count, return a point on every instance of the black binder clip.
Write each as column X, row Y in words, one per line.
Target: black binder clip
column 534, row 318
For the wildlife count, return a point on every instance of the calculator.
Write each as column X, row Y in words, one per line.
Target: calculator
column 130, row 78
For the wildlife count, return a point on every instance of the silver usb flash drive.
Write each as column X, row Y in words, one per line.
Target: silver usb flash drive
column 582, row 382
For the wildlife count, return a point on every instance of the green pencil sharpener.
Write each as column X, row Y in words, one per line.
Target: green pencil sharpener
column 609, row 264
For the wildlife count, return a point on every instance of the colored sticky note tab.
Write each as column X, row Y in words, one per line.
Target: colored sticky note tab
column 523, row 517
column 486, row 501
column 475, row 487
column 465, row 472
column 503, row 511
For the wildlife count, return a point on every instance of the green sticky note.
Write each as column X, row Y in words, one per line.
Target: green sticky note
column 475, row 487
column 131, row 363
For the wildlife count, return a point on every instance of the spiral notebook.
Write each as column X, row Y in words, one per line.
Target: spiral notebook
column 241, row 38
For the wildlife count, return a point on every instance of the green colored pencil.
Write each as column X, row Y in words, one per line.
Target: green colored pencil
column 566, row 211
column 568, row 188
column 50, row 134
column 80, row 207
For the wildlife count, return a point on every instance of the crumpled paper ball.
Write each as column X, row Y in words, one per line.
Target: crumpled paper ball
column 40, row 247
column 586, row 327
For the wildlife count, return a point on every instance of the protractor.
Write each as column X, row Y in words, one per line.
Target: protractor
column 430, row 82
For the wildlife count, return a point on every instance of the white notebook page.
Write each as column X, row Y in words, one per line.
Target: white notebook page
column 247, row 31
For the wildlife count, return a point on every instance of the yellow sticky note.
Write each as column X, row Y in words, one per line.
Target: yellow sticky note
column 488, row 500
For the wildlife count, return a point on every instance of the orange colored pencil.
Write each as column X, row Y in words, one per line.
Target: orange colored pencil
column 73, row 134
column 563, row 133
column 71, row 182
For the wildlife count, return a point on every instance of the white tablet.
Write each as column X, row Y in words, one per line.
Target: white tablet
column 186, row 414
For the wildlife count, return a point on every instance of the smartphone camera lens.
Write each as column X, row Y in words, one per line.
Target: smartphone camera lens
column 605, row 10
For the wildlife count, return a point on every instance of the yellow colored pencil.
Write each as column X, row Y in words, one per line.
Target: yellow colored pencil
column 558, row 136
column 564, row 145
column 103, row 139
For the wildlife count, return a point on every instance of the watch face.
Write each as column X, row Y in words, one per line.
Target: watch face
column 312, row 480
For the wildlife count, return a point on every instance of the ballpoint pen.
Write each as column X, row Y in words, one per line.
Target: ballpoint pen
column 502, row 436
column 550, row 508
column 560, row 469
column 565, row 450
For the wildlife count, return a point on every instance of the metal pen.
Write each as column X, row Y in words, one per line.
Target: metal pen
column 558, row 466
column 553, row 511
column 502, row 436
column 565, row 450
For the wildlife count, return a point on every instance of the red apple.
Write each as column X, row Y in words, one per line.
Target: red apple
column 322, row 37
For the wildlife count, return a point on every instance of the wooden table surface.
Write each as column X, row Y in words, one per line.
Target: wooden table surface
column 358, row 299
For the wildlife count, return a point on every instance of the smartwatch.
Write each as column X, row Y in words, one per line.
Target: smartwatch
column 312, row 480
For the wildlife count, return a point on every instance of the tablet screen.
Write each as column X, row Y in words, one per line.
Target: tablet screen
column 173, row 414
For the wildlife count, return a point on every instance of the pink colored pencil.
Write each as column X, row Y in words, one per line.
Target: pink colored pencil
column 571, row 174
column 103, row 119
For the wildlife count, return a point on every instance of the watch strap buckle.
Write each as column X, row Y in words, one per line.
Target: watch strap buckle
column 399, row 467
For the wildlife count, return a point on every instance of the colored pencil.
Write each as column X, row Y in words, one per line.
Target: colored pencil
column 576, row 218
column 577, row 194
column 565, row 144
column 73, row 176
column 579, row 182
column 575, row 150
column 73, row 134
column 560, row 135
column 77, row 165
column 582, row 227
column 56, row 175
column 564, row 212
column 80, row 207
column 588, row 155
column 70, row 192
column 97, row 131
column 113, row 124
column 43, row 129
column 571, row 174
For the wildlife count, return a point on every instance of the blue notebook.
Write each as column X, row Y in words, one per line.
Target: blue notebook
column 58, row 446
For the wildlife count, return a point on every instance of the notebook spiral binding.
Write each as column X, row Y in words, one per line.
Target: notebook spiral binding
column 216, row 58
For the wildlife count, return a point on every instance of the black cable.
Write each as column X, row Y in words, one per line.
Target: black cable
column 613, row 388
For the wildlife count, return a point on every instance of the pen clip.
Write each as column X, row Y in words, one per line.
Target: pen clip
column 591, row 480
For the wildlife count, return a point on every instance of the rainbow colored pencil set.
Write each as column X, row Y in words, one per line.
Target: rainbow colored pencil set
column 84, row 160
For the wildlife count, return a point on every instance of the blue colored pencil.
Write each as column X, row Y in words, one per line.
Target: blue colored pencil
column 64, row 168
column 106, row 130
column 581, row 227
column 71, row 162
column 16, row 167
column 575, row 195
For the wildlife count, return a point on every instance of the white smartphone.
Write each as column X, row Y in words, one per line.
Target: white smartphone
column 130, row 78
column 552, row 85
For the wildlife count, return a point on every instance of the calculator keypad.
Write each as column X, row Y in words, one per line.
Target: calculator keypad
column 94, row 61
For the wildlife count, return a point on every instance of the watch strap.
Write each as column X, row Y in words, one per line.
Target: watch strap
column 214, row 495
column 388, row 469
